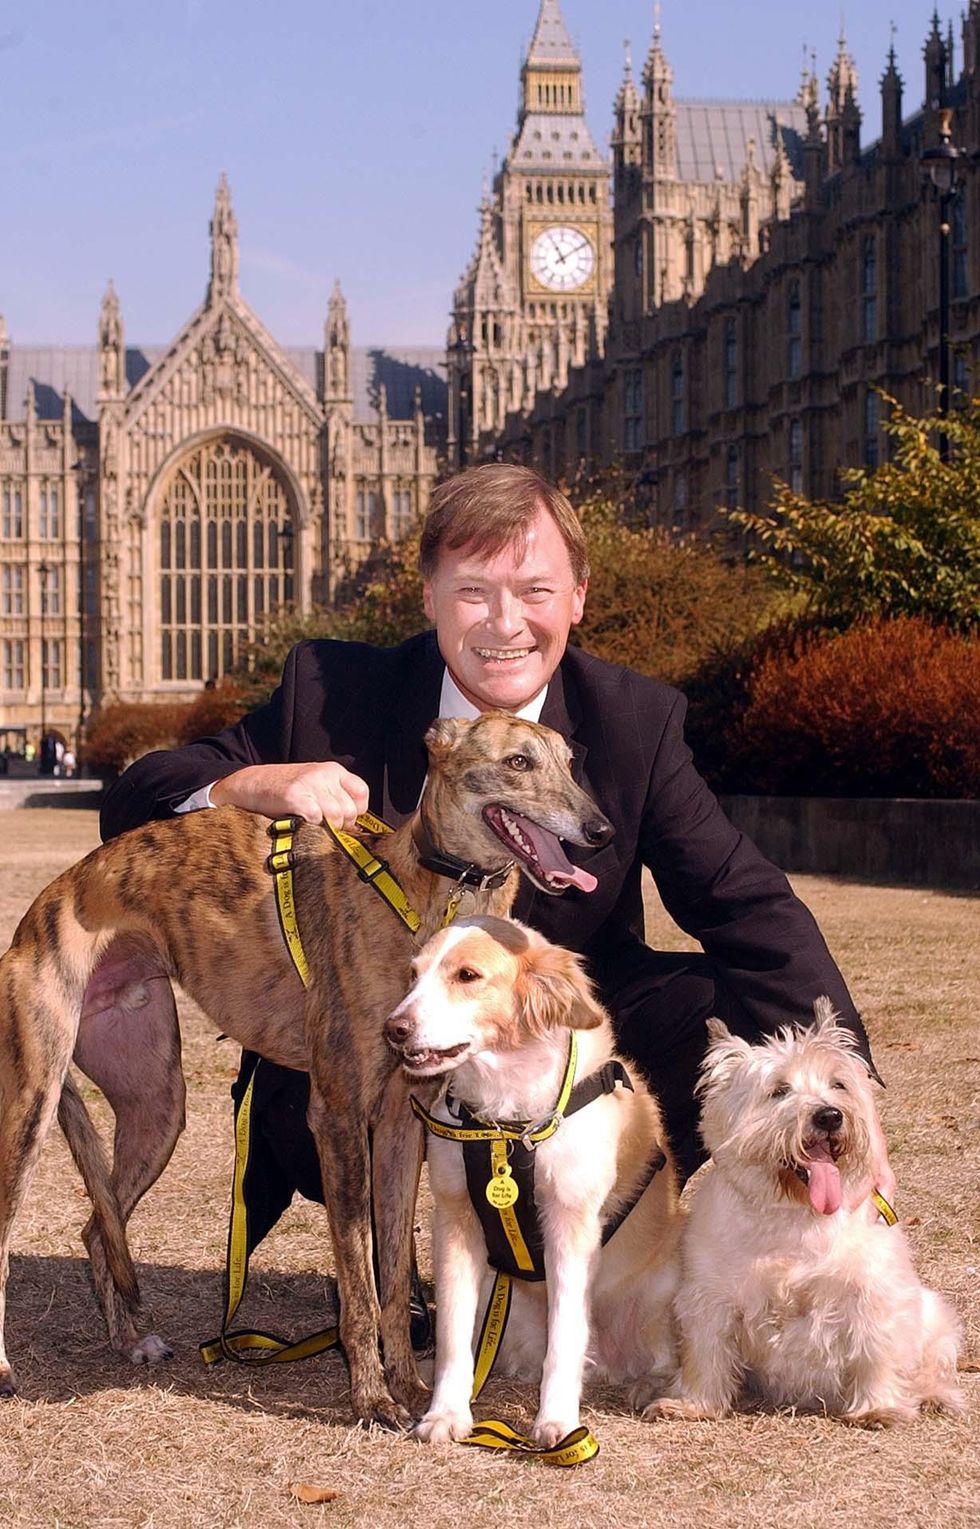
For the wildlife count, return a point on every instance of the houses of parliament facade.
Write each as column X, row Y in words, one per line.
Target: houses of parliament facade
column 719, row 301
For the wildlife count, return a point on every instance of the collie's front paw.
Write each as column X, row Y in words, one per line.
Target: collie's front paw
column 547, row 1432
column 443, row 1427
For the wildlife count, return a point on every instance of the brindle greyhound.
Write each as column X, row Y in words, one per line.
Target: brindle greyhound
column 88, row 978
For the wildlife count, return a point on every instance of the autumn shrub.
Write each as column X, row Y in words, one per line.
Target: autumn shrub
column 887, row 708
column 211, row 711
column 125, row 730
column 663, row 605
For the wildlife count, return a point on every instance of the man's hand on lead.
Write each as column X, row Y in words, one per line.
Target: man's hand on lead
column 320, row 793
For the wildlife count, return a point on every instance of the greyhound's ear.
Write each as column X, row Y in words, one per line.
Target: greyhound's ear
column 444, row 735
column 555, row 991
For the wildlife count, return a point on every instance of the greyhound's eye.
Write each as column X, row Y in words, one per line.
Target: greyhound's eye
column 467, row 974
column 519, row 762
column 780, row 1091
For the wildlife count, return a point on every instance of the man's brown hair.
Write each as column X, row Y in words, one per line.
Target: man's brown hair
column 491, row 507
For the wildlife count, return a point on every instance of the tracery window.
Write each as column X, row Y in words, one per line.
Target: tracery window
column 226, row 557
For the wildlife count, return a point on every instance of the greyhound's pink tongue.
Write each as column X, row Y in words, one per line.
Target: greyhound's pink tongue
column 552, row 858
column 823, row 1183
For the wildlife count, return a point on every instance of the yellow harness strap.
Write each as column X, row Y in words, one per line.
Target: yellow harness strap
column 885, row 1211
column 244, row 1346
column 574, row 1449
column 280, row 862
column 257, row 1347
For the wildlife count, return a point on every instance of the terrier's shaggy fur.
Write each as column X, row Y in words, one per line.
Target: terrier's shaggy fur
column 794, row 1290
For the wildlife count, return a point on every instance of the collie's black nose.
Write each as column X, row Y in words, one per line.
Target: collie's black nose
column 397, row 1029
column 827, row 1118
column 598, row 831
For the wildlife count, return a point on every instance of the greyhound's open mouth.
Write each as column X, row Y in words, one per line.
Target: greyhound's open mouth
column 820, row 1174
column 538, row 850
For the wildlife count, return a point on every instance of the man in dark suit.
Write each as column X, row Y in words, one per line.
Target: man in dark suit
column 505, row 569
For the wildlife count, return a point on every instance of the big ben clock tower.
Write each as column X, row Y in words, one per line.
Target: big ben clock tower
column 533, row 299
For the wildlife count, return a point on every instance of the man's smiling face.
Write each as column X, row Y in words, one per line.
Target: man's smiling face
column 503, row 618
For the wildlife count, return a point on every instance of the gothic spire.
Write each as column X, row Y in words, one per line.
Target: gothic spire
column 224, row 245
column 842, row 81
column 336, row 348
column 627, row 97
column 551, row 43
column 551, row 76
column 111, row 354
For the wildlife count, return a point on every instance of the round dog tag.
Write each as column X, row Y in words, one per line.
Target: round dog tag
column 501, row 1190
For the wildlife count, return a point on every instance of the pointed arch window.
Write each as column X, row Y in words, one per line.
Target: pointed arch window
column 794, row 327
column 226, row 557
column 869, row 289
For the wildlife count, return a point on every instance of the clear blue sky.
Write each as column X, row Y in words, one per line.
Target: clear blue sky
column 355, row 134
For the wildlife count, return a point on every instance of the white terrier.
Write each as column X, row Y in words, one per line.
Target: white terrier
column 794, row 1287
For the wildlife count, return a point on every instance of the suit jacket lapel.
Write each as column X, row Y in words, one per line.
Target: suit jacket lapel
column 563, row 711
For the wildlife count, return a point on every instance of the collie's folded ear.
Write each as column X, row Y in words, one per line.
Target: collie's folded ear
column 554, row 990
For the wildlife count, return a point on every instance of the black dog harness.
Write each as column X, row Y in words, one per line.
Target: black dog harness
column 498, row 1158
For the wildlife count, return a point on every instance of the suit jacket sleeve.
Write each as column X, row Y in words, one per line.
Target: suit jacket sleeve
column 153, row 786
column 721, row 890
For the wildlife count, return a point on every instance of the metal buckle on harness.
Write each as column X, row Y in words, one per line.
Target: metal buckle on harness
column 553, row 1120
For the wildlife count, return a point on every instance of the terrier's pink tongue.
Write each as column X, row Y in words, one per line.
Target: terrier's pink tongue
column 823, row 1184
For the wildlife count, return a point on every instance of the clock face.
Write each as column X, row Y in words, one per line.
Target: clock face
column 562, row 258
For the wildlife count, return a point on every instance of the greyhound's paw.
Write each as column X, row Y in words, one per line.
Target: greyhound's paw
column 443, row 1427
column 547, row 1432
column 383, row 1410
column 8, row 1386
column 413, row 1395
column 150, row 1350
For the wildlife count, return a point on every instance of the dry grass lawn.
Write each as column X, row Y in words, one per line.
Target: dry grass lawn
column 91, row 1442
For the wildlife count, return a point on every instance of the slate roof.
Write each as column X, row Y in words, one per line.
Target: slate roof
column 551, row 43
column 553, row 142
column 713, row 135
column 75, row 368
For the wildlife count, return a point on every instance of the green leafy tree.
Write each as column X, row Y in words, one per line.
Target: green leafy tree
column 903, row 541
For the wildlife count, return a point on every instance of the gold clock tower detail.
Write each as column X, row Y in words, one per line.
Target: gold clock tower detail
column 533, row 300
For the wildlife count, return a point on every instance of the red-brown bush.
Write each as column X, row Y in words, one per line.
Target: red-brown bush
column 125, row 730
column 887, row 708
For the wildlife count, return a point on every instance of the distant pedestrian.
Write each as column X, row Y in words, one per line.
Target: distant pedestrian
column 69, row 763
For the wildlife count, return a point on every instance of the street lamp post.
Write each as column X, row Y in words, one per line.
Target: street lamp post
column 940, row 166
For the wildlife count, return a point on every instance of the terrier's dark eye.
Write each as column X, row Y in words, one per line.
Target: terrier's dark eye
column 519, row 762
column 467, row 974
column 838, row 1083
column 780, row 1091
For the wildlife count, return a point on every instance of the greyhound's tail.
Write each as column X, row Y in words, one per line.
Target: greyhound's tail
column 107, row 1221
